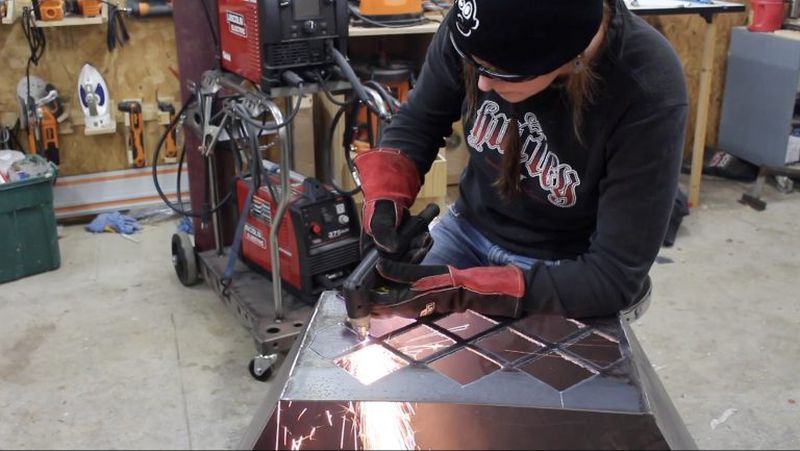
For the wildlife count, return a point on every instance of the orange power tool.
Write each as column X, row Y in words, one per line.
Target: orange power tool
column 142, row 8
column 90, row 8
column 171, row 141
column 43, row 135
column 43, row 125
column 51, row 9
column 49, row 126
column 136, row 134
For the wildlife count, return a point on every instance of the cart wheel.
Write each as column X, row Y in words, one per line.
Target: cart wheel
column 184, row 259
column 264, row 376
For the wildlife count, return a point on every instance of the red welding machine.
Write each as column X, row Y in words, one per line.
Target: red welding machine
column 260, row 39
column 318, row 237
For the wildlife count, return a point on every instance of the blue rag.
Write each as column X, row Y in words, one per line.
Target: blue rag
column 113, row 222
column 186, row 225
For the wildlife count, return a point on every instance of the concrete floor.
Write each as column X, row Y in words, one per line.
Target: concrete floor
column 110, row 351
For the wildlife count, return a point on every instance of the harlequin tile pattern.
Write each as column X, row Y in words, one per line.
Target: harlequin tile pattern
column 465, row 366
column 556, row 371
column 468, row 346
column 509, row 345
column 420, row 342
column 467, row 324
column 597, row 349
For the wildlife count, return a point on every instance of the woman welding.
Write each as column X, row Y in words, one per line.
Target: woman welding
column 574, row 114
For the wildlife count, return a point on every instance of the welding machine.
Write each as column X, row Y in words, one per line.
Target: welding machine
column 318, row 236
column 260, row 39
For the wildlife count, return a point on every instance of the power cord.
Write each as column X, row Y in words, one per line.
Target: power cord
column 37, row 44
column 179, row 208
column 117, row 31
column 213, row 32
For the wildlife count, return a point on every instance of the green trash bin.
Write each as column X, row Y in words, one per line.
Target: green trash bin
column 28, row 236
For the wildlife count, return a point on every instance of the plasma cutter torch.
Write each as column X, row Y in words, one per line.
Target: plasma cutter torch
column 364, row 286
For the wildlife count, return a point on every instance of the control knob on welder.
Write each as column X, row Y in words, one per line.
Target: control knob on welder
column 344, row 219
column 316, row 229
column 309, row 27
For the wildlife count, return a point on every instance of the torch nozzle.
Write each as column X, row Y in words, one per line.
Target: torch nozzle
column 361, row 326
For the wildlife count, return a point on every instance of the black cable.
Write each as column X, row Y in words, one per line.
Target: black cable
column 15, row 142
column 117, row 31
column 37, row 44
column 347, row 139
column 387, row 96
column 329, row 96
column 34, row 35
column 211, row 26
column 179, row 209
column 350, row 76
column 245, row 116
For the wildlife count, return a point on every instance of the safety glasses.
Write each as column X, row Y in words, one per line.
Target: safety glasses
column 490, row 72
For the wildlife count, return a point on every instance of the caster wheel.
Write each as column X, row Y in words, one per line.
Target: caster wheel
column 264, row 376
column 184, row 259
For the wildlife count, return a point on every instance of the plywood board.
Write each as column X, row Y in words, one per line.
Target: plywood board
column 686, row 33
column 144, row 65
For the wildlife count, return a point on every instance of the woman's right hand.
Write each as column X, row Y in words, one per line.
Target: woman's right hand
column 390, row 182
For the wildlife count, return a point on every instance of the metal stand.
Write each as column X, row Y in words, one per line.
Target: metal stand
column 249, row 299
column 274, row 323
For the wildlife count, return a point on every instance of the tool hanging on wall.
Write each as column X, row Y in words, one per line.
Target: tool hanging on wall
column 41, row 110
column 8, row 137
column 89, row 8
column 171, row 138
column 151, row 8
column 134, row 133
column 51, row 9
column 95, row 100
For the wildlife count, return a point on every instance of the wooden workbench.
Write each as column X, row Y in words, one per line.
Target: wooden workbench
column 708, row 11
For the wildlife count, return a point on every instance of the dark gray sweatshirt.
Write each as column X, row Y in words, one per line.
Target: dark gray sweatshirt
column 600, row 205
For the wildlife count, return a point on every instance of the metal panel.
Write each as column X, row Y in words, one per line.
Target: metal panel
column 338, row 392
column 759, row 98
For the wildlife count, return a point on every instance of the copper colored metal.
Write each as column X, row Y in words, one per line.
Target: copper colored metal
column 466, row 381
column 597, row 349
column 465, row 366
column 420, row 342
column 510, row 345
column 467, row 324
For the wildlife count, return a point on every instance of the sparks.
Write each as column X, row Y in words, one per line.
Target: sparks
column 381, row 425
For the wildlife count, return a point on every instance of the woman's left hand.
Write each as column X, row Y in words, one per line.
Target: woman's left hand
column 420, row 290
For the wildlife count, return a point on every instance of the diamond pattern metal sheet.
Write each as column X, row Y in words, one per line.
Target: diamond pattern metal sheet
column 465, row 366
column 510, row 345
column 466, row 324
column 556, row 371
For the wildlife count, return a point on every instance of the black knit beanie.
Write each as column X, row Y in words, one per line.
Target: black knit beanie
column 525, row 37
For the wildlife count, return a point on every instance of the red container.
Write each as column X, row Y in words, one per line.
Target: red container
column 767, row 15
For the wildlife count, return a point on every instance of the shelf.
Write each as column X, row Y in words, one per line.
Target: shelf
column 76, row 20
column 430, row 27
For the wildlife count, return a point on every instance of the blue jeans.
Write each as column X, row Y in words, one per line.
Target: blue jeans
column 457, row 243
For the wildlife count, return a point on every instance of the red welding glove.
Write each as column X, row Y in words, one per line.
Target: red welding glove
column 390, row 181
column 421, row 290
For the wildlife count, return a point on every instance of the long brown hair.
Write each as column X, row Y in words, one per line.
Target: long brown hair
column 580, row 88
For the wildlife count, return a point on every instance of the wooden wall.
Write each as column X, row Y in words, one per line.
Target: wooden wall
column 144, row 65
column 147, row 62
column 687, row 33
